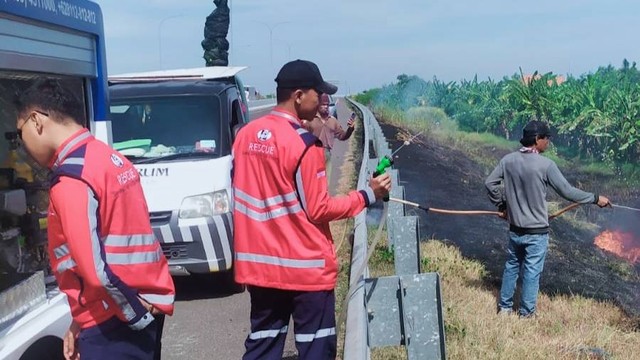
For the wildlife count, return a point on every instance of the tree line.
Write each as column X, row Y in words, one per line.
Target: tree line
column 595, row 115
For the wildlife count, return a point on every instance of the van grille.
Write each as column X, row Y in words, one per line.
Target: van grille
column 160, row 217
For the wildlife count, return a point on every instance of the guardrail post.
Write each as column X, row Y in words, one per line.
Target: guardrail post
column 396, row 209
column 422, row 311
column 404, row 309
column 403, row 232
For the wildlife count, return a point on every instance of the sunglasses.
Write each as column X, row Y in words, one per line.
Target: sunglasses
column 19, row 130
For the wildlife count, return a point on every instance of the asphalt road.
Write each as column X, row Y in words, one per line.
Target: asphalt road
column 259, row 111
column 210, row 320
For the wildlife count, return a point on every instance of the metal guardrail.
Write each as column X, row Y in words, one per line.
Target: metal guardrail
column 403, row 309
column 356, row 325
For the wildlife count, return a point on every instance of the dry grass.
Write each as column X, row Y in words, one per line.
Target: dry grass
column 566, row 328
column 342, row 229
column 433, row 123
column 381, row 261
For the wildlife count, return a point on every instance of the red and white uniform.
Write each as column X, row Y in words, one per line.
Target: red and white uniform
column 283, row 208
column 102, row 249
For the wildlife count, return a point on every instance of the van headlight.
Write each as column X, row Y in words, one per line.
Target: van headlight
column 205, row 205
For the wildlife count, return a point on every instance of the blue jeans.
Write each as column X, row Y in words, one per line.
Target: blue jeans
column 526, row 253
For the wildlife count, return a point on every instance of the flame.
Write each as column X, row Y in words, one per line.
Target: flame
column 620, row 243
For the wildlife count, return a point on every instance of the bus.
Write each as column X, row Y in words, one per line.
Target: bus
column 63, row 39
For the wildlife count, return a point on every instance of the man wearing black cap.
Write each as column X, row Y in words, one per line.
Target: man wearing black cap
column 283, row 246
column 518, row 187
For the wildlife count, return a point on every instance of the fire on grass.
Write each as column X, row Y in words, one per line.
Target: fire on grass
column 623, row 244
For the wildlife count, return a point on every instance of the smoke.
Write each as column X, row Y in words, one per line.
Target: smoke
column 408, row 92
column 624, row 220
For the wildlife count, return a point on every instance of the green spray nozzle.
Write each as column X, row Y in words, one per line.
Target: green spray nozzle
column 384, row 163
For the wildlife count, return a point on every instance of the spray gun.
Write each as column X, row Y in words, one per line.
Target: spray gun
column 386, row 161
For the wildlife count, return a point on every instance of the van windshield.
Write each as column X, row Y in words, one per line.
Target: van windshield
column 166, row 127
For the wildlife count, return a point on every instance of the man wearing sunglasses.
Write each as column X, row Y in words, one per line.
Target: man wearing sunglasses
column 518, row 187
column 101, row 247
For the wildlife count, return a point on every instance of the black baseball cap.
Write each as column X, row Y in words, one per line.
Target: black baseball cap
column 303, row 74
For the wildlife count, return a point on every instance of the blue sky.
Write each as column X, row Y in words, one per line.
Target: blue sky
column 361, row 44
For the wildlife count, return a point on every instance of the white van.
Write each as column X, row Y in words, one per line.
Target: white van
column 177, row 127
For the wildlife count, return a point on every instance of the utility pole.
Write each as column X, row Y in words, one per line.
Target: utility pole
column 271, row 28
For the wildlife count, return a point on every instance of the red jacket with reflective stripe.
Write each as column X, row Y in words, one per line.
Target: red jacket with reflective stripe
column 101, row 246
column 282, row 207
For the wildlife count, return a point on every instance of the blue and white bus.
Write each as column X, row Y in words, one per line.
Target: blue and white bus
column 62, row 39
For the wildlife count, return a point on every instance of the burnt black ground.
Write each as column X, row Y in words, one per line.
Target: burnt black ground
column 438, row 176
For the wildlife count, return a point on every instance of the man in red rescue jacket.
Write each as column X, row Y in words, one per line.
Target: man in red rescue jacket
column 283, row 247
column 101, row 247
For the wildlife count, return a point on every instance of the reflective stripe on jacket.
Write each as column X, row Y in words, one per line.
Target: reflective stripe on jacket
column 101, row 246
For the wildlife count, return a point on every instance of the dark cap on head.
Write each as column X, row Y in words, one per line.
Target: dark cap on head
column 536, row 128
column 303, row 74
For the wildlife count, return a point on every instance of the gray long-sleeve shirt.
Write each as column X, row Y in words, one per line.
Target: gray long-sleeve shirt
column 520, row 182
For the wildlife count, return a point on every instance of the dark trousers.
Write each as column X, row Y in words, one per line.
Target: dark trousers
column 313, row 318
column 114, row 340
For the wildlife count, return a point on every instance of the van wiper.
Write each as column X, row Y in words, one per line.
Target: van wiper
column 186, row 155
column 134, row 158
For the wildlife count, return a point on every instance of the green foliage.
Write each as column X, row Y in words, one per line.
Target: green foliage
column 491, row 141
column 594, row 116
column 598, row 169
column 368, row 97
column 385, row 254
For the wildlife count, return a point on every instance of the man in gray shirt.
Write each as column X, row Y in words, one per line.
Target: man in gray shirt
column 518, row 187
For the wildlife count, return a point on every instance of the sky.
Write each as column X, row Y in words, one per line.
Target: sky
column 361, row 44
